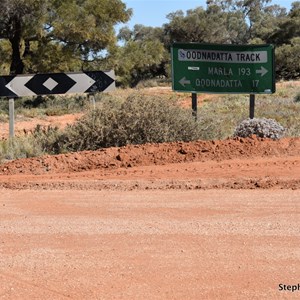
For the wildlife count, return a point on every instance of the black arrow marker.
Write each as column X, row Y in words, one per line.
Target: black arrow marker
column 4, row 91
column 103, row 81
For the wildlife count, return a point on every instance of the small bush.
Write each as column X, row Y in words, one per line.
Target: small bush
column 49, row 139
column 42, row 140
column 56, row 111
column 137, row 120
column 265, row 128
column 19, row 147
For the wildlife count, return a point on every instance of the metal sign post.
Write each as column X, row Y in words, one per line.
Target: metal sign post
column 252, row 106
column 194, row 105
column 11, row 118
column 92, row 101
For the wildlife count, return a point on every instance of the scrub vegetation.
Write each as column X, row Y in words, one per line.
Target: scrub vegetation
column 135, row 117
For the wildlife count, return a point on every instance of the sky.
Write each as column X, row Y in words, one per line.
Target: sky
column 153, row 12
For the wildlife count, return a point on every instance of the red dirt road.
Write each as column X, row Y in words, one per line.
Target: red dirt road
column 213, row 244
column 198, row 220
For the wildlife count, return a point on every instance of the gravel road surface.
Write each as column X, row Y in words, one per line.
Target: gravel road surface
column 164, row 244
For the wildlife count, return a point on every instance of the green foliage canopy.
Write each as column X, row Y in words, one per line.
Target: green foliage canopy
column 142, row 55
column 44, row 33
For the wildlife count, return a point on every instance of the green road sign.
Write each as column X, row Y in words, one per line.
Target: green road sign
column 242, row 69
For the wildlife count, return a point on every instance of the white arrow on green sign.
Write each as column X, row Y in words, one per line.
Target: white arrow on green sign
column 183, row 81
column 223, row 68
column 262, row 71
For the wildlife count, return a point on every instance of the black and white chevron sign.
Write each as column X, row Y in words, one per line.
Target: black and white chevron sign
column 56, row 83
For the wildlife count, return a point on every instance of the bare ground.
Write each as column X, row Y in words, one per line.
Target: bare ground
column 213, row 244
column 28, row 125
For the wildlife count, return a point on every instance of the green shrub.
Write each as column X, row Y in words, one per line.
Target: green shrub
column 42, row 140
column 138, row 120
column 96, row 129
column 56, row 111
column 287, row 64
column 49, row 139
column 19, row 147
column 219, row 117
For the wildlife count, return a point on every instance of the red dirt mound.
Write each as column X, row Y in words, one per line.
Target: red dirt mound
column 234, row 163
column 154, row 154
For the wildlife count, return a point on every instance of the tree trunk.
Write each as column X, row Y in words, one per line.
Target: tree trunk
column 17, row 65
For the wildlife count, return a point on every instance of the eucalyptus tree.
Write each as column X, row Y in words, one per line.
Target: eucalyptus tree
column 210, row 25
column 50, row 35
column 289, row 27
column 142, row 54
column 287, row 38
column 260, row 17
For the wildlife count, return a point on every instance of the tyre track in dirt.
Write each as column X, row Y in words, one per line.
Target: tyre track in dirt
column 22, row 284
